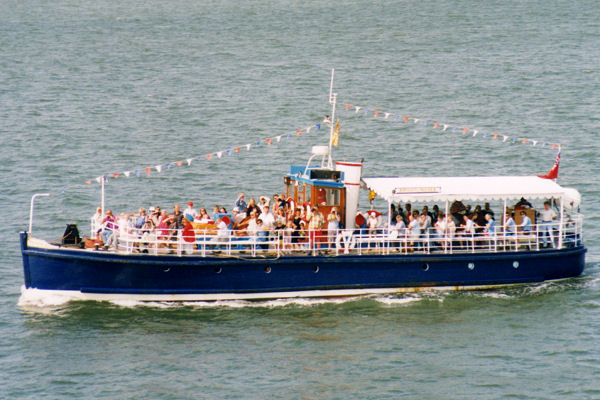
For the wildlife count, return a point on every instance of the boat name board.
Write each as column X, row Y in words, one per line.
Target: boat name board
column 416, row 189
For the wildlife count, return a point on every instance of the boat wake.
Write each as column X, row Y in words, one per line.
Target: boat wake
column 42, row 301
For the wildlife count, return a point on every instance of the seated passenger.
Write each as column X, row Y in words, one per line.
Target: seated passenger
column 398, row 230
column 97, row 222
column 280, row 217
column 450, row 227
column 440, row 227
column 468, row 225
column 252, row 226
column 109, row 225
column 510, row 228
column 490, row 226
column 215, row 212
column 414, row 228
column 237, row 217
column 203, row 217
column 222, row 232
column 525, row 223
column 262, row 232
column 372, row 223
column 267, row 218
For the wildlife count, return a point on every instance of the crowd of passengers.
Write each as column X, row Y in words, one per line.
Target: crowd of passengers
column 306, row 223
column 249, row 218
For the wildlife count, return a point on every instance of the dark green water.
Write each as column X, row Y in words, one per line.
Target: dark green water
column 88, row 88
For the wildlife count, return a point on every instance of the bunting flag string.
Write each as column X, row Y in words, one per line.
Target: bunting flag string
column 209, row 156
column 364, row 111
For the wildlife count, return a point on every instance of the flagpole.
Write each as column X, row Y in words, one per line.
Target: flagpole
column 102, row 195
column 332, row 101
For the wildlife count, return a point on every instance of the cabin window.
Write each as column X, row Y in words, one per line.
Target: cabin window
column 327, row 196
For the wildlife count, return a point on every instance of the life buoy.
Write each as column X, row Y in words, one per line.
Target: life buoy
column 345, row 240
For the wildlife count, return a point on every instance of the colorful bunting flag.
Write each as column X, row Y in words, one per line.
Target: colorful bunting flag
column 436, row 124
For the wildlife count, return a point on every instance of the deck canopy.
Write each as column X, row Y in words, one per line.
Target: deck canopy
column 472, row 188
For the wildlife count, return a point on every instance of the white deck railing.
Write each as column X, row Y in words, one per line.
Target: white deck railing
column 339, row 242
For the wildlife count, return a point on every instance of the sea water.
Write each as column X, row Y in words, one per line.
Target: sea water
column 97, row 88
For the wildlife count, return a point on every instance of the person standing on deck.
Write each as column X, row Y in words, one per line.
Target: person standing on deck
column 240, row 203
column 546, row 226
column 190, row 213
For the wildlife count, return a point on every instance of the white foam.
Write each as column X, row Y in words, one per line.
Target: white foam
column 40, row 301
column 398, row 301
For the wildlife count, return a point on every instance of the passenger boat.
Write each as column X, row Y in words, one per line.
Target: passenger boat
column 210, row 264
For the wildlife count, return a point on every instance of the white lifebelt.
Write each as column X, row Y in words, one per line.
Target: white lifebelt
column 345, row 240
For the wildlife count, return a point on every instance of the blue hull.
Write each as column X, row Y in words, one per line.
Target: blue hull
column 140, row 274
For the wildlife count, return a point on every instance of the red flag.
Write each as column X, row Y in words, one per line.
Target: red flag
column 347, row 107
column 553, row 174
column 148, row 171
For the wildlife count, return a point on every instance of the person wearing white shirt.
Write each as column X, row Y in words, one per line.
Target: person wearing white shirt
column 190, row 213
column 546, row 225
column 97, row 222
column 267, row 218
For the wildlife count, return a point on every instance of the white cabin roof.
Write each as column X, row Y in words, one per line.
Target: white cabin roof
column 472, row 188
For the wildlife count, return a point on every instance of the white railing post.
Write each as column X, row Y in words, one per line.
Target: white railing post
column 31, row 209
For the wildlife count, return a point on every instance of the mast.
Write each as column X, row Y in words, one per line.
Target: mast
column 332, row 101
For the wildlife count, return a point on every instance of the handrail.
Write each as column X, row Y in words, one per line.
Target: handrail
column 207, row 242
column 31, row 209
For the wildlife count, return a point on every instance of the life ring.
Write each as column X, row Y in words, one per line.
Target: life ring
column 345, row 240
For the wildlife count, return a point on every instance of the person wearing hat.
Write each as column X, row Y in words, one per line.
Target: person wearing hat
column 237, row 216
column 190, row 213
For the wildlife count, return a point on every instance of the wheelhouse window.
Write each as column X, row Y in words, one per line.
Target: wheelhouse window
column 326, row 196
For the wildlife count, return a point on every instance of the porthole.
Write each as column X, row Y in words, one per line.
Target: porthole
column 471, row 266
column 515, row 264
column 218, row 270
column 268, row 270
column 316, row 269
column 425, row 267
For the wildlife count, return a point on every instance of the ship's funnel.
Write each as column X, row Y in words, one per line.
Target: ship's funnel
column 352, row 174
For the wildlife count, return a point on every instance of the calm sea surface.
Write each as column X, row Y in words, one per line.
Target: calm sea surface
column 97, row 87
